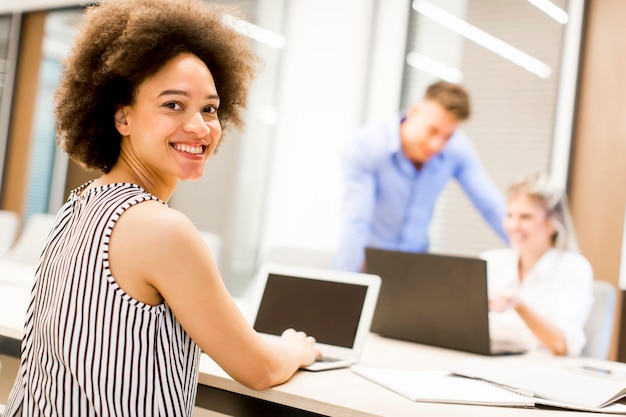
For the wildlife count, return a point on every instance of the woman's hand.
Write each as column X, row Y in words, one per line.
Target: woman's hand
column 504, row 301
column 297, row 341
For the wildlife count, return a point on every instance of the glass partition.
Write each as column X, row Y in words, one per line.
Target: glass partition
column 508, row 55
column 9, row 34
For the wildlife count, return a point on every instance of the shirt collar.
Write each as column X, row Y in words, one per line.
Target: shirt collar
column 404, row 163
column 545, row 264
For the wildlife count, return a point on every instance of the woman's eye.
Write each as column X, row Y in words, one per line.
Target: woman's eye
column 210, row 109
column 173, row 106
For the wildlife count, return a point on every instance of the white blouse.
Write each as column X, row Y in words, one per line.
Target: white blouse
column 559, row 288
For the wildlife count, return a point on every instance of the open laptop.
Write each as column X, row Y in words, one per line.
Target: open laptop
column 437, row 300
column 335, row 307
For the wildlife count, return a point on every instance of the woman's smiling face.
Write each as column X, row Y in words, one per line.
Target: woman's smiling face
column 527, row 224
column 172, row 128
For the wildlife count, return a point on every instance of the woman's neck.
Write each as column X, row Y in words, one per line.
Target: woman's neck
column 122, row 171
column 528, row 259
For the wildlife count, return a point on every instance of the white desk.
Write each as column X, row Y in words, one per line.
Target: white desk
column 333, row 393
column 343, row 393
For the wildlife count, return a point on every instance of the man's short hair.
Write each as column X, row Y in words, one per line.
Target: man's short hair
column 452, row 97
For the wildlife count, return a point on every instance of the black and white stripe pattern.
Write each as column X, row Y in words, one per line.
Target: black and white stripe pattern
column 89, row 348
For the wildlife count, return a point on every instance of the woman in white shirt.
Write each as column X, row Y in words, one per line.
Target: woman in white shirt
column 540, row 289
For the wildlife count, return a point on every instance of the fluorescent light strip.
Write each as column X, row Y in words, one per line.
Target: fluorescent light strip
column 434, row 67
column 482, row 38
column 256, row 32
column 551, row 10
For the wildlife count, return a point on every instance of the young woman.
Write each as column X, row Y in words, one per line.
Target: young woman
column 127, row 293
column 540, row 288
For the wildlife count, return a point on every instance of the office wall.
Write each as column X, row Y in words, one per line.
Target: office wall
column 598, row 166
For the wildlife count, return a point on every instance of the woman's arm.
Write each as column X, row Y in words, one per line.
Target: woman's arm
column 157, row 254
column 548, row 334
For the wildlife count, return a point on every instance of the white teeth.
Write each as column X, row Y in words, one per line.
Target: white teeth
column 196, row 150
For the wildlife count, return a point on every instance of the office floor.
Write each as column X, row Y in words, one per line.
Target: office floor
column 8, row 371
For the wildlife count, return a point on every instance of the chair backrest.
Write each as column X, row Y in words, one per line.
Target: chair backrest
column 9, row 223
column 599, row 326
column 32, row 239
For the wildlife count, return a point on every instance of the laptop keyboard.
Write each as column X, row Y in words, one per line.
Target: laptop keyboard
column 327, row 359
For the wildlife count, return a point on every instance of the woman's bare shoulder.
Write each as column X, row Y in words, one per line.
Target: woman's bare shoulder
column 153, row 219
column 151, row 243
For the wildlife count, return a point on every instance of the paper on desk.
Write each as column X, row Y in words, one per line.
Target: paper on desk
column 552, row 383
column 443, row 387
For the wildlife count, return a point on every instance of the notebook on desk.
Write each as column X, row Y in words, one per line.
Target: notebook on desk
column 437, row 300
column 335, row 307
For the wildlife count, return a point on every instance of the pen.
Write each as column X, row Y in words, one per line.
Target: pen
column 603, row 371
column 613, row 373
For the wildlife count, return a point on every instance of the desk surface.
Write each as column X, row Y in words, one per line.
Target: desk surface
column 334, row 393
column 343, row 393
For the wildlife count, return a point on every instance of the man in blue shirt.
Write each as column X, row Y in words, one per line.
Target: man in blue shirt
column 394, row 173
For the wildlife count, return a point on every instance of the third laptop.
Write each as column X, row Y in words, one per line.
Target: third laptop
column 434, row 299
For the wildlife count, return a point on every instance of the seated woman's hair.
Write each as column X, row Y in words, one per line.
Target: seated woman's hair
column 124, row 42
column 539, row 187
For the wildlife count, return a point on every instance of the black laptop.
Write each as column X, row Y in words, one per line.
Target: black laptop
column 437, row 300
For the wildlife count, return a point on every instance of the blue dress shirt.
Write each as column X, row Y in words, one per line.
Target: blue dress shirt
column 389, row 204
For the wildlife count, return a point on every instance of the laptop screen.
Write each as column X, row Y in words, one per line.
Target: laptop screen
column 330, row 311
column 433, row 299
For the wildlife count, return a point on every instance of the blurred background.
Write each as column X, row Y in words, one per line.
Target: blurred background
column 545, row 77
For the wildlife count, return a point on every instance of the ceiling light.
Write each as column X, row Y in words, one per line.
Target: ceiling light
column 482, row 38
column 551, row 10
column 255, row 32
column 434, row 67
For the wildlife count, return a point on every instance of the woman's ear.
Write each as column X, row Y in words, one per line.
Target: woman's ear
column 121, row 124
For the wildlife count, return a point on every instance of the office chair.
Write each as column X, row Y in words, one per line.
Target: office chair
column 32, row 238
column 599, row 326
column 9, row 223
column 19, row 263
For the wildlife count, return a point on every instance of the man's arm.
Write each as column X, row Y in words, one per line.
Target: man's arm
column 480, row 189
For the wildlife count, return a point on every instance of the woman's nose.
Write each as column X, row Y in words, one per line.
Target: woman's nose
column 197, row 125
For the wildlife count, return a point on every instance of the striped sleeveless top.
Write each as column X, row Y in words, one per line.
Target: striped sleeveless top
column 89, row 348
